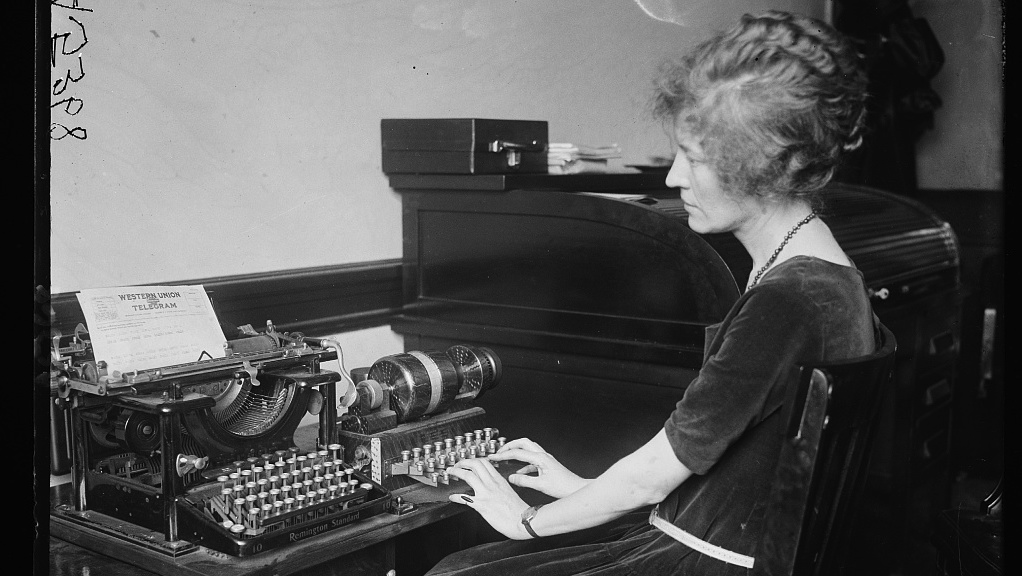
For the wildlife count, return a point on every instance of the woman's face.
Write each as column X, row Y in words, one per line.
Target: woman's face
column 711, row 209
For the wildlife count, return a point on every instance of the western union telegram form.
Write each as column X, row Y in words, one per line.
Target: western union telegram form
column 144, row 327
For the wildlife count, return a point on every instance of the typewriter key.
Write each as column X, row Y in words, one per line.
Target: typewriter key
column 227, row 524
column 237, row 529
column 438, row 447
column 335, row 451
column 239, row 508
column 274, row 495
column 289, row 504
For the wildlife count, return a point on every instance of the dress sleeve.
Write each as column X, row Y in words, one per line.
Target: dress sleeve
column 738, row 383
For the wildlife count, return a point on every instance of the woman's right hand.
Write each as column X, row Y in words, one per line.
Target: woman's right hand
column 543, row 472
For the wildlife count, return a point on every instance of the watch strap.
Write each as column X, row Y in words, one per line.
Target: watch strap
column 527, row 517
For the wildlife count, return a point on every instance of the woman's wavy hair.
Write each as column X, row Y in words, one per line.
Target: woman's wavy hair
column 774, row 101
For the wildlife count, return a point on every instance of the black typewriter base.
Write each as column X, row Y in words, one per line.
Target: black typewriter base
column 64, row 520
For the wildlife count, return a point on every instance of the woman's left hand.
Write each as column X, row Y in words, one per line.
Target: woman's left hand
column 494, row 499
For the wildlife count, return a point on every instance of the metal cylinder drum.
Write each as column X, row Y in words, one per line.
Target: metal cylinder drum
column 421, row 383
column 478, row 369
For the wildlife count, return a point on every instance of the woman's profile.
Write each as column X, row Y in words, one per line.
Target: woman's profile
column 761, row 114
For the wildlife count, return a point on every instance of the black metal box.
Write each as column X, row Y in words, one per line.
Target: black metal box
column 463, row 146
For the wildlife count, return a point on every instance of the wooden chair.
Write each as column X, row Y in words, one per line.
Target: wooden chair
column 822, row 467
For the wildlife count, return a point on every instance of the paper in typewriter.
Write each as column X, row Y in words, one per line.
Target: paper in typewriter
column 143, row 327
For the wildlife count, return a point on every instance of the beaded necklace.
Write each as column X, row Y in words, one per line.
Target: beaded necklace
column 781, row 247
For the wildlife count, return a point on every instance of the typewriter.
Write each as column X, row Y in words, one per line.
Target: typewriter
column 204, row 453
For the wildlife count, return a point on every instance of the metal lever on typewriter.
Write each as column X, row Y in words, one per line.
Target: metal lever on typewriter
column 247, row 371
column 514, row 150
column 187, row 462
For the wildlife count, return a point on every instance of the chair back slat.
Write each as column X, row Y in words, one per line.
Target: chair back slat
column 822, row 467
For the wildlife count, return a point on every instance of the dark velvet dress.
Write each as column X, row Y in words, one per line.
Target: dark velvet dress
column 727, row 429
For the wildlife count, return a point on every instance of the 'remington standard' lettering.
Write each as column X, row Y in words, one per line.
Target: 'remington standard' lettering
column 314, row 530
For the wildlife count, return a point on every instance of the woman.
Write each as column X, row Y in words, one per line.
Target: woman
column 761, row 114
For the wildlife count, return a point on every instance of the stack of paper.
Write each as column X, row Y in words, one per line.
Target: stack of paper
column 564, row 158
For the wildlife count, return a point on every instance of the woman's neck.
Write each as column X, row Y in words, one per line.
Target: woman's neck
column 763, row 233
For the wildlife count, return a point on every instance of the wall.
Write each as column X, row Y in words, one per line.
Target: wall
column 964, row 149
column 228, row 137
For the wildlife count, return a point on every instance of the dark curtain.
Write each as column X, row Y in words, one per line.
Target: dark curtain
column 901, row 55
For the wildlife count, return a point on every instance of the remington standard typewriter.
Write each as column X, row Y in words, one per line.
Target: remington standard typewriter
column 204, row 453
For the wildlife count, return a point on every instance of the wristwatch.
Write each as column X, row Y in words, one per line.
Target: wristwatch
column 527, row 517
